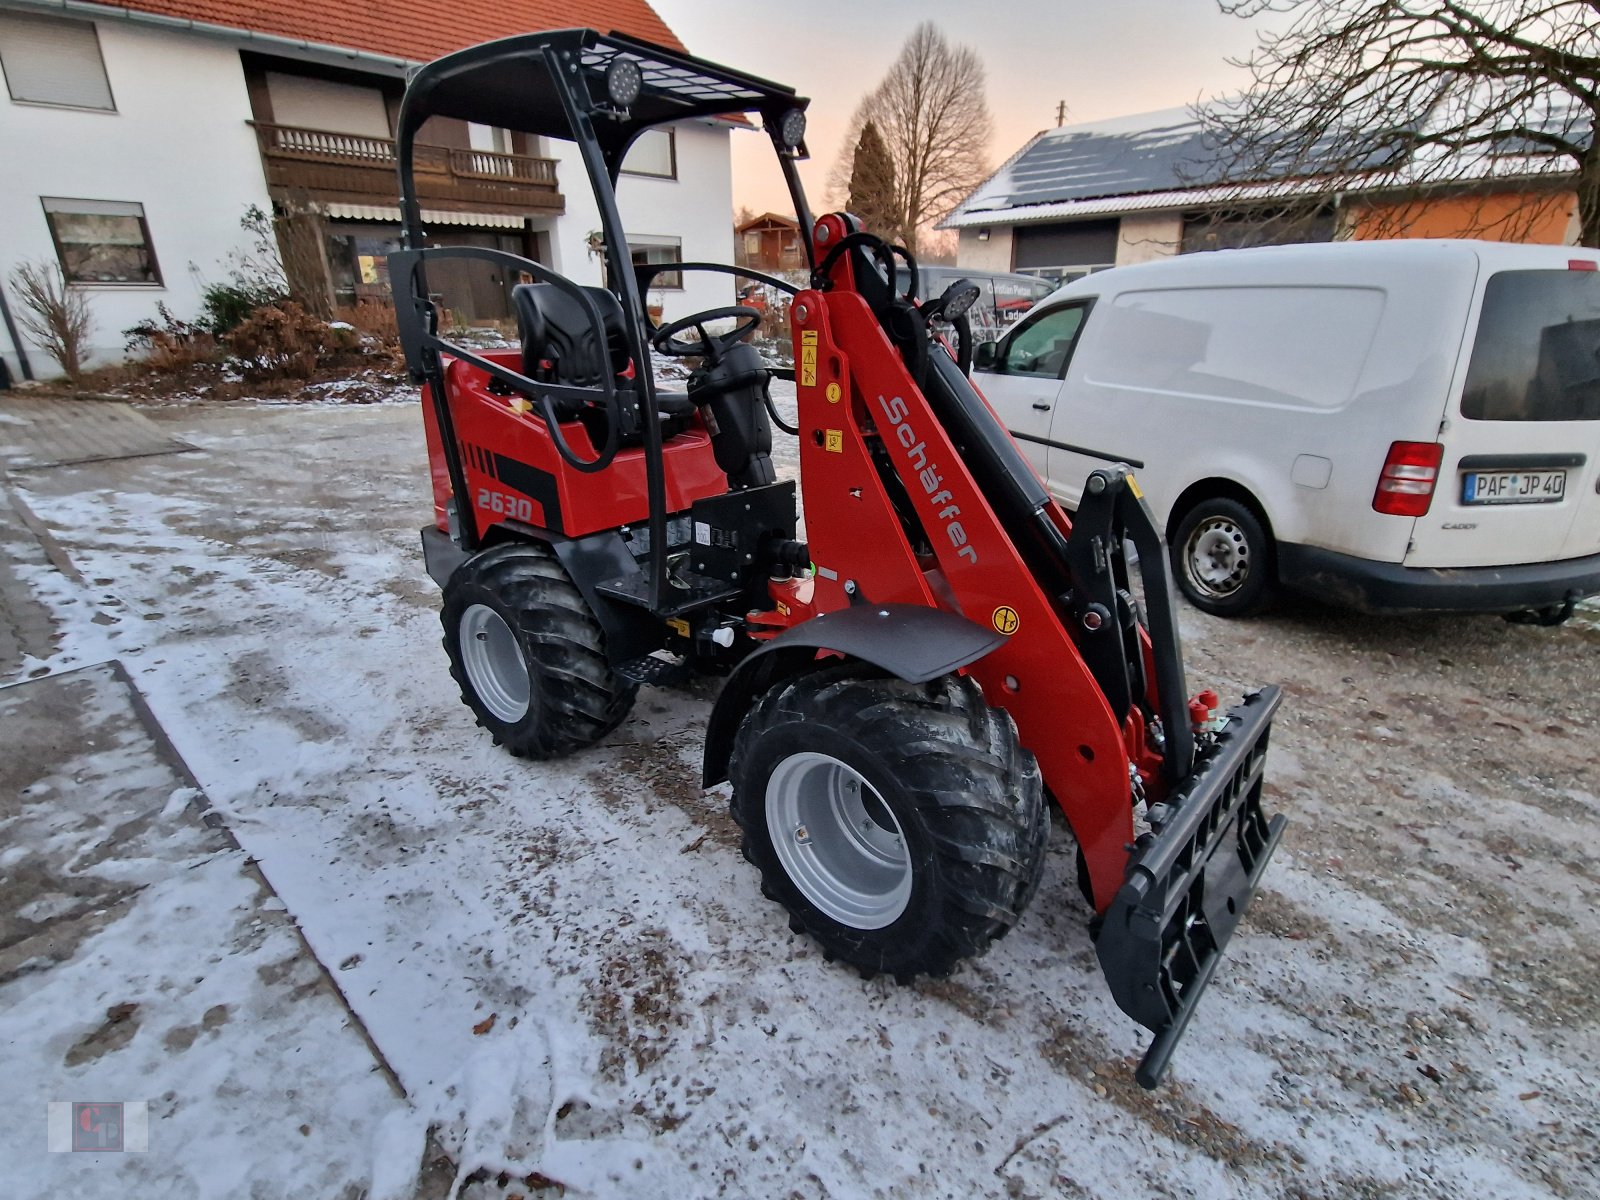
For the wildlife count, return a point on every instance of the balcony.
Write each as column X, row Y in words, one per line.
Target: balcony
column 349, row 168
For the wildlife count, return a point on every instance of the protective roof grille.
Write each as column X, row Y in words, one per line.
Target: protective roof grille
column 671, row 78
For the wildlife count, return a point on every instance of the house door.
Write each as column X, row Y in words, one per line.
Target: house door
column 474, row 291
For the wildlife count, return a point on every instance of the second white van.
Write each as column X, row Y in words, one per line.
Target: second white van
column 1387, row 425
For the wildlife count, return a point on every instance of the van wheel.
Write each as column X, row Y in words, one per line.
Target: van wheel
column 1222, row 558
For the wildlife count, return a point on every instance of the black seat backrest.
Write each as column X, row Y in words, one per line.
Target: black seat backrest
column 558, row 338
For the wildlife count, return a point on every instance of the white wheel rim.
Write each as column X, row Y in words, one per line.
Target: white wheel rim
column 1217, row 557
column 838, row 841
column 494, row 663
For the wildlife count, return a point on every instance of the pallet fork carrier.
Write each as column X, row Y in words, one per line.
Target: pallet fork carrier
column 906, row 688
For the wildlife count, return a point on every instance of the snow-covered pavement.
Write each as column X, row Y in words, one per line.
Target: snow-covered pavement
column 144, row 961
column 575, row 978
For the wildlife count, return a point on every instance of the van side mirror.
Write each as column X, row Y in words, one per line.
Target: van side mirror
column 986, row 356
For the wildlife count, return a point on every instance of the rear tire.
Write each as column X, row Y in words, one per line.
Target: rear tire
column 528, row 654
column 1222, row 557
column 902, row 825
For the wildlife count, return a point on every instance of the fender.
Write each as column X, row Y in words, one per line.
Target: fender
column 910, row 641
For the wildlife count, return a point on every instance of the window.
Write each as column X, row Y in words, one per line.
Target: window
column 102, row 241
column 490, row 137
column 1042, row 344
column 302, row 102
column 1537, row 353
column 654, row 153
column 662, row 251
column 51, row 61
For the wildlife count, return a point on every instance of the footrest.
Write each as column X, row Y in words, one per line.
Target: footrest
column 647, row 668
column 687, row 593
column 1188, row 884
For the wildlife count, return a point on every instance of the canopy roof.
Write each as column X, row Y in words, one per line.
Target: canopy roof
column 509, row 83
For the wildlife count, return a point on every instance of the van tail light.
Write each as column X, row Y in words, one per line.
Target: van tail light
column 1410, row 473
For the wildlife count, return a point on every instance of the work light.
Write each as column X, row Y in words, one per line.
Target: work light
column 624, row 81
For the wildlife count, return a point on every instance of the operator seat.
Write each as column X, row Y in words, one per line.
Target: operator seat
column 558, row 346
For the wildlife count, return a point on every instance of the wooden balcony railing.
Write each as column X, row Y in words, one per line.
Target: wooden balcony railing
column 353, row 168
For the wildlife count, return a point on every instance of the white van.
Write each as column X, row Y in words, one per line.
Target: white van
column 1387, row 425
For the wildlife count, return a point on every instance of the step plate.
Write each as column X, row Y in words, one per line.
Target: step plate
column 1189, row 882
column 686, row 593
column 659, row 672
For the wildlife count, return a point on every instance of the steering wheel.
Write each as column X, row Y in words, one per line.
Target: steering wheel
column 667, row 341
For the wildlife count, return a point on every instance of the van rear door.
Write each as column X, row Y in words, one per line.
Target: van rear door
column 1522, row 441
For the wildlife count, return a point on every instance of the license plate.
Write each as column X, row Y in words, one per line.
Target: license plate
column 1513, row 487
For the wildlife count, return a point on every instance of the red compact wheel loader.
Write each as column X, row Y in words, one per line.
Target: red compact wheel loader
column 906, row 689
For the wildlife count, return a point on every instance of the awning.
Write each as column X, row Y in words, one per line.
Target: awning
column 390, row 213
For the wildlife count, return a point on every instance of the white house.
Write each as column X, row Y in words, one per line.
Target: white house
column 134, row 138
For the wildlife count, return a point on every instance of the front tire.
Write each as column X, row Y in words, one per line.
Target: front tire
column 528, row 654
column 902, row 825
column 1222, row 558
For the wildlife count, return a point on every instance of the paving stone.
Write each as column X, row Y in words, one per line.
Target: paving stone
column 51, row 431
column 27, row 629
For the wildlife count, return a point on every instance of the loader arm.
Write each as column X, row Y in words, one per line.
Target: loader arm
column 915, row 494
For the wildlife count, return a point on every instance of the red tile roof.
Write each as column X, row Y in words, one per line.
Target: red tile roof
column 418, row 30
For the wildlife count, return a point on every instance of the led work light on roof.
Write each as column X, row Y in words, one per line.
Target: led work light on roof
column 624, row 81
column 792, row 128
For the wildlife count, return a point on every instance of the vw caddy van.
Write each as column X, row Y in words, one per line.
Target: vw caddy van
column 1388, row 425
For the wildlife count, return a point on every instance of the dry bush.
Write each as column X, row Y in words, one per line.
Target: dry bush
column 171, row 345
column 372, row 319
column 281, row 341
column 56, row 316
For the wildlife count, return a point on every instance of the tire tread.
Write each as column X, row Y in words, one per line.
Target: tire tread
column 976, row 789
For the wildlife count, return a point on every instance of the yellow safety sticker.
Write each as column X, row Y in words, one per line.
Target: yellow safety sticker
column 1133, row 486
column 783, row 609
column 1005, row 620
column 808, row 358
column 834, row 392
column 680, row 625
column 833, row 441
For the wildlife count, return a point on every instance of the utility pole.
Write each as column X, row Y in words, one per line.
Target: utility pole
column 1061, row 113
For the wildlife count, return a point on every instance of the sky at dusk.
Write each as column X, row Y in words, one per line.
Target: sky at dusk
column 1105, row 58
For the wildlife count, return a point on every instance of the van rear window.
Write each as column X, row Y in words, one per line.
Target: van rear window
column 1537, row 354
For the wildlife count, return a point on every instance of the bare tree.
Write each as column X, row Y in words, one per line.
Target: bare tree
column 932, row 115
column 1400, row 100
column 56, row 316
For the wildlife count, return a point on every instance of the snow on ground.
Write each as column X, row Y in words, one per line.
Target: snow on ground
column 574, row 975
column 151, row 965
